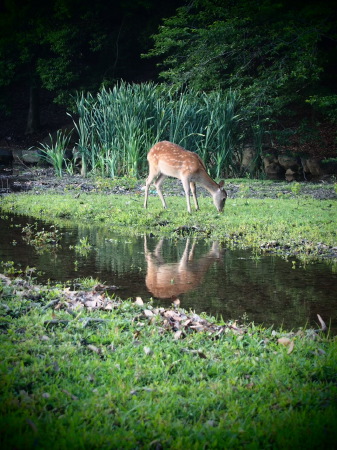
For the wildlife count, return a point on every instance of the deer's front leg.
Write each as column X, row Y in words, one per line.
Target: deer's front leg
column 149, row 180
column 194, row 193
column 186, row 186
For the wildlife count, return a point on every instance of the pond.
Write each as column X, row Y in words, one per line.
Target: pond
column 232, row 284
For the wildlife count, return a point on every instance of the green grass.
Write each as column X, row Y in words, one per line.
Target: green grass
column 128, row 383
column 300, row 226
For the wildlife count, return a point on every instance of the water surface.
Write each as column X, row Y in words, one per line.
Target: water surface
column 204, row 276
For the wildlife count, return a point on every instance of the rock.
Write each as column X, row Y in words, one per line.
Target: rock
column 248, row 162
column 30, row 156
column 289, row 162
column 291, row 175
column 269, row 159
column 312, row 166
column 274, row 171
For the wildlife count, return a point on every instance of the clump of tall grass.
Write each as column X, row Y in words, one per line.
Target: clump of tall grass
column 54, row 152
column 117, row 127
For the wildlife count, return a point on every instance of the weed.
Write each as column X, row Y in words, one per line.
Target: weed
column 244, row 190
column 54, row 152
column 296, row 188
column 86, row 283
column 9, row 269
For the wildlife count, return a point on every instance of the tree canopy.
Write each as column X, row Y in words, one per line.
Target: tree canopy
column 275, row 54
column 279, row 56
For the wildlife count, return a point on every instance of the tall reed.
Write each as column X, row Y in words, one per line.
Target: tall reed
column 118, row 126
column 54, row 151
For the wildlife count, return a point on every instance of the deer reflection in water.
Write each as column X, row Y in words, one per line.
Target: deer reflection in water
column 166, row 280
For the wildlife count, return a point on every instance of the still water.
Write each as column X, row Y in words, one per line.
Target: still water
column 204, row 276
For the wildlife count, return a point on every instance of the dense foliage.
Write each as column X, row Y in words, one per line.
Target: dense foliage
column 276, row 54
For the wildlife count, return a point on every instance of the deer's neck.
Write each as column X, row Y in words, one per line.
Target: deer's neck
column 208, row 183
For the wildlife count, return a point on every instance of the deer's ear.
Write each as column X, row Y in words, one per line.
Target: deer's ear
column 221, row 184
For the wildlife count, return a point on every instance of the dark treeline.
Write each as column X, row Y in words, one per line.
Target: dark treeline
column 65, row 46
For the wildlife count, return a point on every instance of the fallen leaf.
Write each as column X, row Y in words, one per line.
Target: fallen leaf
column 147, row 351
column 148, row 313
column 173, row 315
column 108, row 307
column 174, row 364
column 201, row 354
column 90, row 303
column 291, row 347
column 197, row 327
column 70, row 394
column 94, row 349
column 198, row 352
column 177, row 334
column 44, row 338
column 321, row 321
column 176, row 302
column 99, row 287
column 136, row 334
column 284, row 341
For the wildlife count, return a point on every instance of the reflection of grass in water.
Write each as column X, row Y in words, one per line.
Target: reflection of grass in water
column 94, row 379
column 42, row 240
column 83, row 248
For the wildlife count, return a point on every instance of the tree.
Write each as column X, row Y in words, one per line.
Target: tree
column 70, row 45
column 275, row 53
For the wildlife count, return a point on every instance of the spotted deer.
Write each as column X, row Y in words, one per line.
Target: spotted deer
column 170, row 160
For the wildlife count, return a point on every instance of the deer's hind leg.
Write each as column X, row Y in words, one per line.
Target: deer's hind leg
column 150, row 178
column 158, row 183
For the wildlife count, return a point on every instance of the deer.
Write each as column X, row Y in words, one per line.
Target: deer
column 167, row 280
column 170, row 160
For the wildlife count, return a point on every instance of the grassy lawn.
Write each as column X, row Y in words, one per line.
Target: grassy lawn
column 127, row 375
column 300, row 225
column 135, row 377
